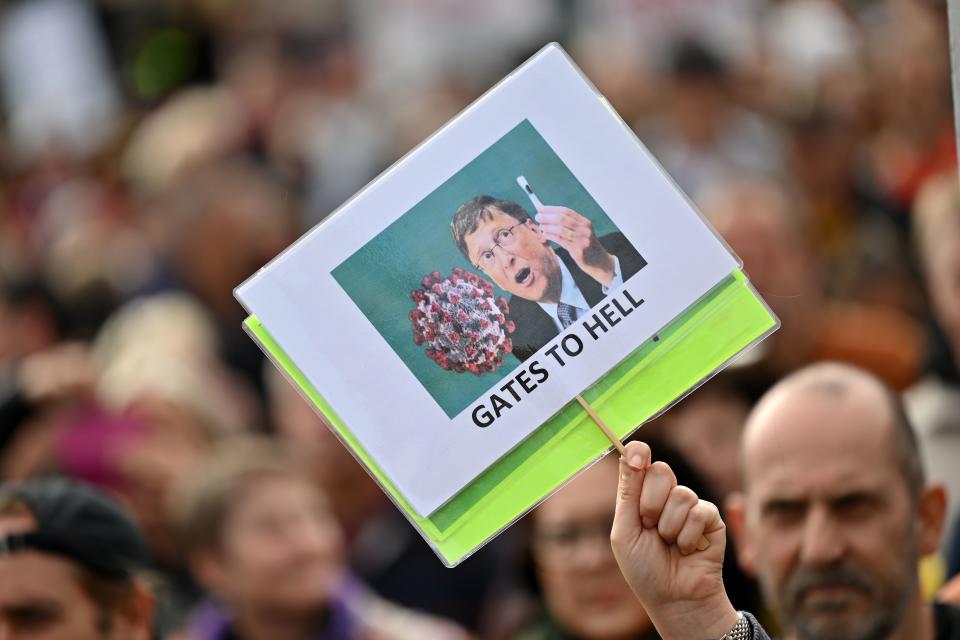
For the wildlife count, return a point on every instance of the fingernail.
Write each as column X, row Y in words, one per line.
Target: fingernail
column 636, row 461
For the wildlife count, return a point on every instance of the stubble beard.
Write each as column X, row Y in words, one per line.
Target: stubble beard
column 888, row 602
column 550, row 268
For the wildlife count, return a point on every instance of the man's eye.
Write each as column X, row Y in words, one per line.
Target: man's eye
column 31, row 619
column 561, row 537
column 784, row 512
column 486, row 257
column 503, row 235
column 856, row 506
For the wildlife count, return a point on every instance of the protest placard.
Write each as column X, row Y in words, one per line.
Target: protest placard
column 444, row 319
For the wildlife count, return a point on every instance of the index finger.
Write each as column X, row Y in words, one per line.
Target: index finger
column 632, row 468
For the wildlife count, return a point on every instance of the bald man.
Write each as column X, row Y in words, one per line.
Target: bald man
column 834, row 517
column 835, row 513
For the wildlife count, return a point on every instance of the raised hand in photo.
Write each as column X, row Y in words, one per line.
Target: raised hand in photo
column 575, row 233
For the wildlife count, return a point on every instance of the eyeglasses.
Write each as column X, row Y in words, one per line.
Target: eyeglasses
column 504, row 239
column 563, row 541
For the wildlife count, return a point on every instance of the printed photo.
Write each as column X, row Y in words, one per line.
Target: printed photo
column 488, row 268
column 469, row 293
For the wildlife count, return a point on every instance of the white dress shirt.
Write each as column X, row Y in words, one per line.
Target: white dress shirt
column 570, row 293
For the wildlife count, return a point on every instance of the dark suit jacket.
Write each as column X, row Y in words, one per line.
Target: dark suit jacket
column 535, row 327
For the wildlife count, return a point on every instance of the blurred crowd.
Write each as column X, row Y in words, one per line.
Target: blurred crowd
column 155, row 153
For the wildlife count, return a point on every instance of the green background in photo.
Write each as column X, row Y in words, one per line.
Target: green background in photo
column 380, row 276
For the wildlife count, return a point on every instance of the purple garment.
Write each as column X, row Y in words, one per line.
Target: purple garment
column 212, row 622
column 91, row 442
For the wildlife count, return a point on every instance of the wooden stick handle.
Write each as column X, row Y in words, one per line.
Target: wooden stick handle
column 603, row 426
column 702, row 544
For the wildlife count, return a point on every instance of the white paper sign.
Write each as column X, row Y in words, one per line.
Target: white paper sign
column 443, row 343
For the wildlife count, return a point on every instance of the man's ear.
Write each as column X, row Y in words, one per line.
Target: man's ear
column 735, row 514
column 931, row 513
column 137, row 613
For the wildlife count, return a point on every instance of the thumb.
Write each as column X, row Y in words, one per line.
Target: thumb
column 633, row 464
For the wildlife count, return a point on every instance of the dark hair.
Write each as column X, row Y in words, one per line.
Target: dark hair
column 470, row 214
column 908, row 449
column 107, row 593
column 692, row 60
column 30, row 290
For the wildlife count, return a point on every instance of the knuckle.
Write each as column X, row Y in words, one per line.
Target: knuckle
column 651, row 512
column 684, row 495
column 668, row 535
column 662, row 470
column 659, row 467
column 709, row 509
column 646, row 505
column 698, row 515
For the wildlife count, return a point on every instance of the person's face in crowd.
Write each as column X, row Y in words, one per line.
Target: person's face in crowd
column 6, row 339
column 911, row 54
column 27, row 328
column 753, row 219
column 698, row 109
column 354, row 496
column 169, row 445
column 943, row 278
column 824, row 160
column 582, row 586
column 706, row 429
column 247, row 223
column 281, row 550
column 42, row 598
column 526, row 266
column 828, row 523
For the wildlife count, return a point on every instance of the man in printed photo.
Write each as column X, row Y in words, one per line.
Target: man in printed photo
column 550, row 288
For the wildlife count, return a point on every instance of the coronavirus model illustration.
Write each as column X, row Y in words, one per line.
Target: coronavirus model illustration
column 462, row 325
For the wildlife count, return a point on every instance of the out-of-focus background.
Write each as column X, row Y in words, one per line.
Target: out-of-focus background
column 156, row 153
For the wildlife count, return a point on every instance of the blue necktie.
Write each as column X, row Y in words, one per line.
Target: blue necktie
column 567, row 313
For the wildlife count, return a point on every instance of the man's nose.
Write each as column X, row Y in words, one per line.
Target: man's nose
column 592, row 553
column 823, row 541
column 505, row 258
